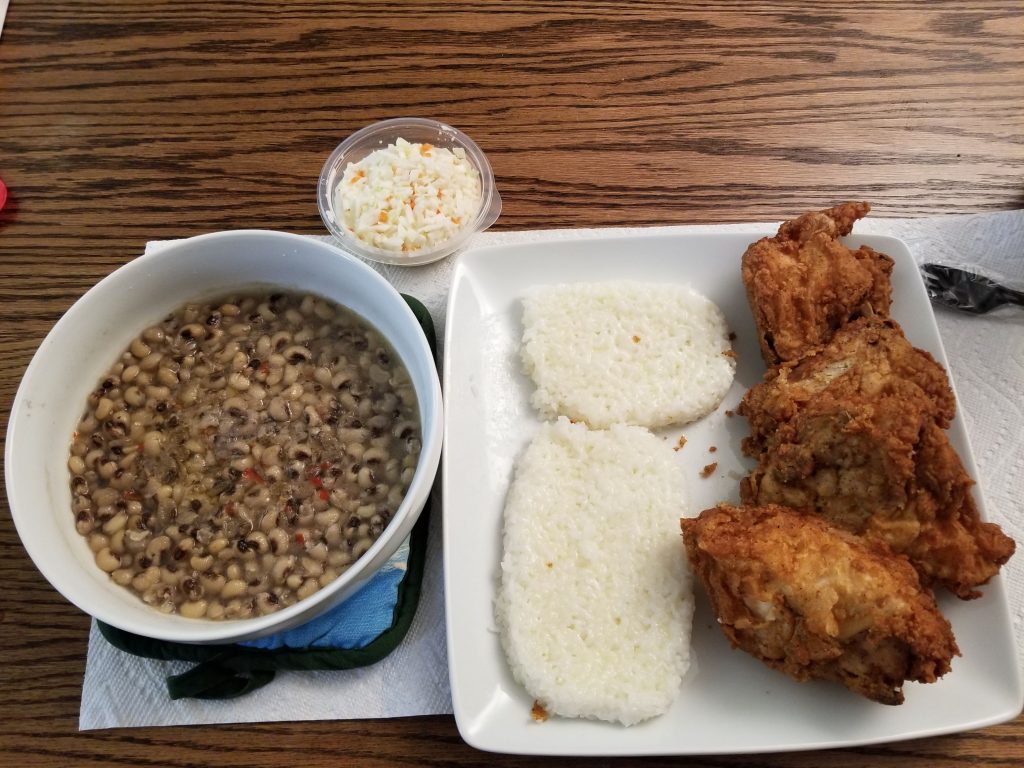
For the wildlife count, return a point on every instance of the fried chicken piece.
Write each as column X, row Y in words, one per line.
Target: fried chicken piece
column 803, row 284
column 816, row 602
column 955, row 547
column 869, row 357
column 880, row 467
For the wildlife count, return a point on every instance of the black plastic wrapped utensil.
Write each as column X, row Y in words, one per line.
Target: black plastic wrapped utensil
column 966, row 291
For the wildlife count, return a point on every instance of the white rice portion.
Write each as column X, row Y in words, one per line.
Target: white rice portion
column 626, row 352
column 596, row 598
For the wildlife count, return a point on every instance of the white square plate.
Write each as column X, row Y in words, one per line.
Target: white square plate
column 729, row 702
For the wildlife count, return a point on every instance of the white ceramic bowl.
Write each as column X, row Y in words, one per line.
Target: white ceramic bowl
column 88, row 339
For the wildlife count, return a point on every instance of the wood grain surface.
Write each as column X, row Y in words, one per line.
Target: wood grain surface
column 122, row 122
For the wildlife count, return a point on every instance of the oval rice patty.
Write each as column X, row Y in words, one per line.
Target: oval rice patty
column 626, row 352
column 596, row 600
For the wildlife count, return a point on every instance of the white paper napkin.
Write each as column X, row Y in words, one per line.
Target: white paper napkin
column 986, row 356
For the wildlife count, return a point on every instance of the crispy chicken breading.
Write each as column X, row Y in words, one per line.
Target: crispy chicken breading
column 879, row 466
column 817, row 602
column 869, row 357
column 803, row 284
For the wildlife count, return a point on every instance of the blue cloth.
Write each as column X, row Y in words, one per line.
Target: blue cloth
column 357, row 621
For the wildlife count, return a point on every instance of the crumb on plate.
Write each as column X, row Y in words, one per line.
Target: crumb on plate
column 538, row 713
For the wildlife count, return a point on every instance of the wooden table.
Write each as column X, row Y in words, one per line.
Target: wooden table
column 122, row 122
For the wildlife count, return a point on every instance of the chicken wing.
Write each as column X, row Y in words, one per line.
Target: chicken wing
column 803, row 284
column 816, row 602
column 880, row 467
column 869, row 357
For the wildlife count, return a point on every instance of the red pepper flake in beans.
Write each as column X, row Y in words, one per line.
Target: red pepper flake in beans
column 300, row 538
column 253, row 476
column 324, row 495
column 229, row 509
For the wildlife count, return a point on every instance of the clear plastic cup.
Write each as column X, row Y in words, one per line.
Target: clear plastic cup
column 415, row 130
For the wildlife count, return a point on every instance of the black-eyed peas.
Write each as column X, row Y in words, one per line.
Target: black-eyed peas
column 242, row 454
